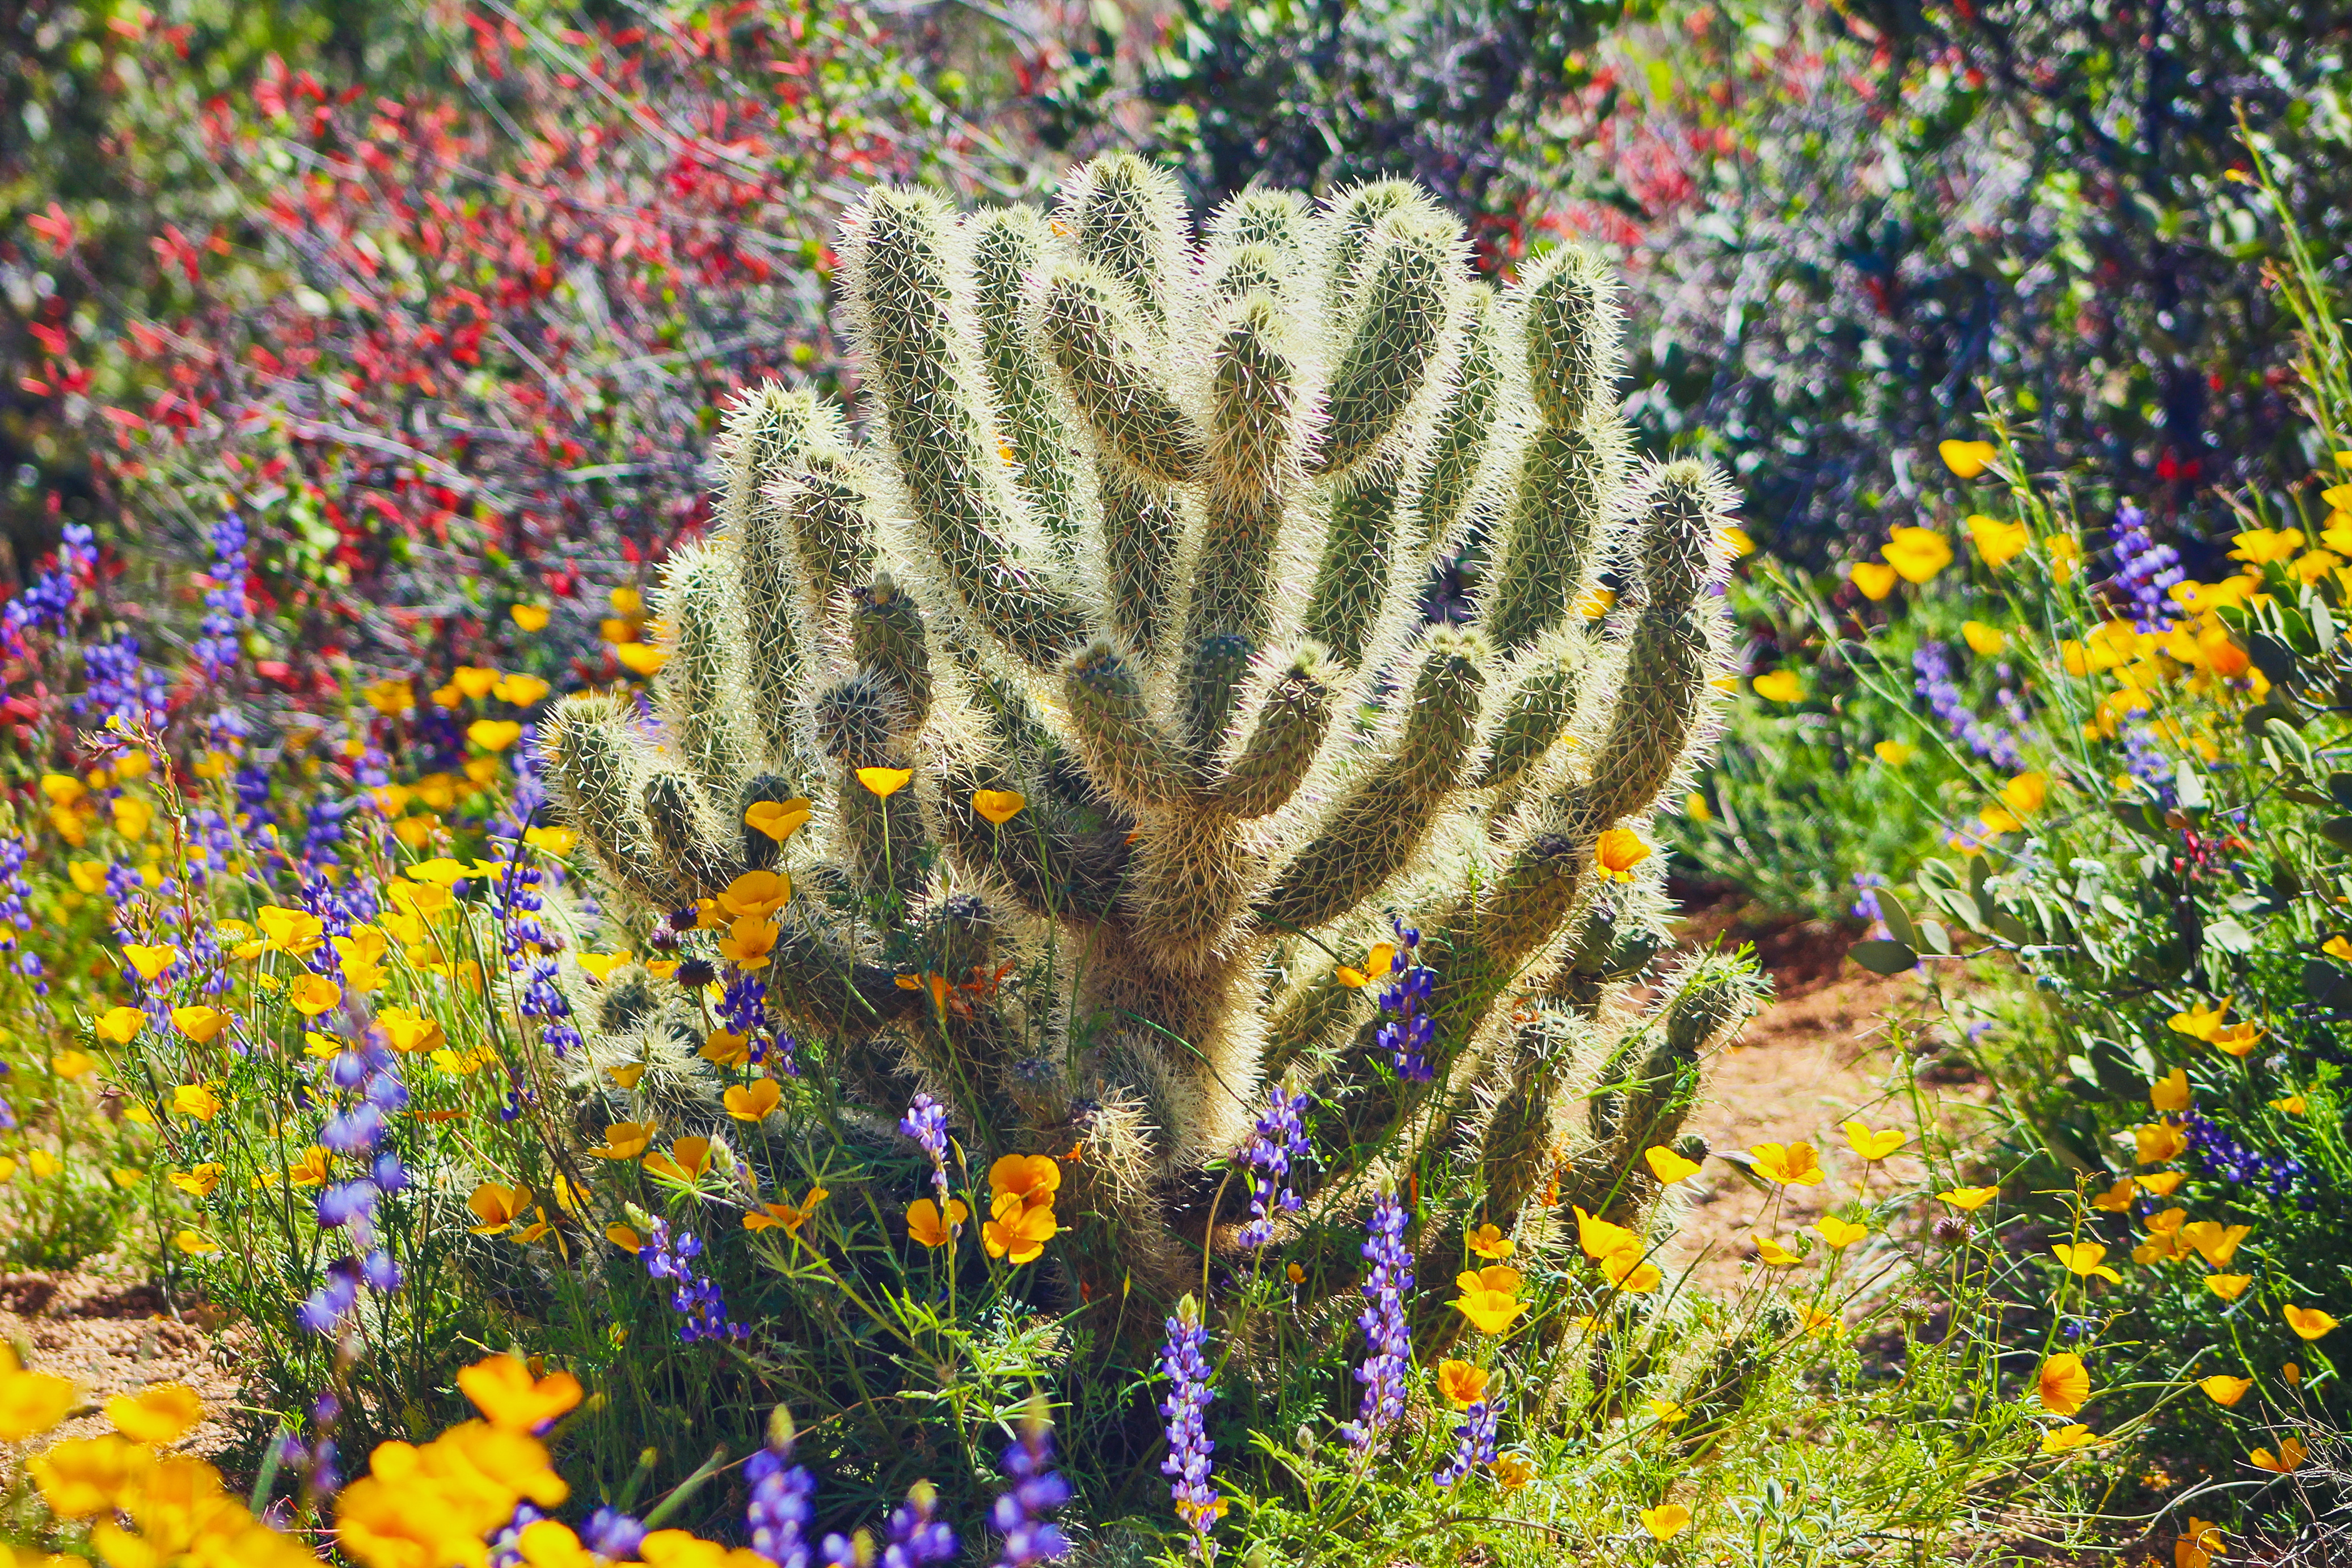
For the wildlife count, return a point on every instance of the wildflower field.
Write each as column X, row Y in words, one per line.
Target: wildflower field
column 802, row 785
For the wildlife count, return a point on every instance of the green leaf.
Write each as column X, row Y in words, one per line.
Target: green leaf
column 2230, row 936
column 1899, row 924
column 2338, row 830
column 1883, row 958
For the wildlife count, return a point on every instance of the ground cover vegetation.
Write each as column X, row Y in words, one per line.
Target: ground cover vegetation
column 741, row 865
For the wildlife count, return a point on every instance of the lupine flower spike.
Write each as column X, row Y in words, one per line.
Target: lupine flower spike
column 1387, row 1343
column 1184, row 1411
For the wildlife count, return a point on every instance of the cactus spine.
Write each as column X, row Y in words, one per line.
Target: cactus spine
column 1136, row 548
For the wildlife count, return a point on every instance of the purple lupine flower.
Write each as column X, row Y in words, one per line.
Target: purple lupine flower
column 2145, row 569
column 780, row 1511
column 917, row 1539
column 694, row 1296
column 843, row 1552
column 1184, row 1415
column 611, row 1533
column 1019, row 1514
column 743, row 1007
column 215, row 651
column 1388, row 1342
column 322, row 1313
column 48, row 602
column 121, row 685
column 926, row 1121
column 1280, row 1137
column 506, row 1546
column 345, row 1202
column 2223, row 1155
column 1935, row 682
column 1476, row 1440
column 1410, row 1030
column 1865, row 903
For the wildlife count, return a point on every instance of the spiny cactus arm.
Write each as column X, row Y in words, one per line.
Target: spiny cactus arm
column 590, row 753
column 695, row 606
column 1007, row 246
column 1127, row 216
column 814, row 982
column 1316, row 1014
column 886, row 637
column 1539, row 703
column 770, row 436
column 1053, row 865
column 1107, row 367
column 1287, row 729
column 1346, row 226
column 828, row 513
column 686, row 838
column 1208, row 690
column 1256, row 453
column 1515, row 1147
column 1130, row 758
column 1557, row 533
column 1404, row 338
column 1383, row 818
column 1661, row 717
column 1468, row 427
column 1359, row 553
column 901, row 265
column 1281, row 221
column 1142, row 527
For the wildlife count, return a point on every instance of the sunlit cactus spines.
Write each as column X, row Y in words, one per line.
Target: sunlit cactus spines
column 1098, row 675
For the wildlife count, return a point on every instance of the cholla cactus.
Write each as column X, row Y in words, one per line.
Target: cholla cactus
column 1125, row 579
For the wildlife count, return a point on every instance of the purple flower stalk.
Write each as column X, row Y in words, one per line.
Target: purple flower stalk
column 2145, row 569
column 917, row 1539
column 1932, row 665
column 1020, row 1512
column 1387, row 1343
column 1279, row 1138
column 1184, row 1414
column 780, row 1511
column 1475, row 1439
column 1410, row 1030
column 926, row 1121
column 694, row 1297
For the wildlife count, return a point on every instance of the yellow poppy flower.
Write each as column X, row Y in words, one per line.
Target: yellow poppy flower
column 752, row 1101
column 120, row 1026
column 70, row 1064
column 1669, row 1166
column 2066, row 1440
column 1970, row 1198
column 2237, row 1039
column 1490, row 1312
column 1998, row 542
column 509, row 1396
column 1017, row 1231
column 726, row 1048
column 1918, row 554
column 556, row 842
column 497, row 1208
column 2084, row 1260
column 779, row 820
column 1377, row 959
column 925, row 1225
column 2228, row 1287
column 749, row 941
column 1666, row 1411
column 1874, row 1145
column 885, row 782
column 640, row 658
column 1488, row 1241
column 2289, row 1458
column 1840, row 1233
column 1626, row 1270
column 1875, row 578
column 194, row 1244
column 410, row 1033
column 494, row 733
column 2158, row 1142
column 314, row 994
column 1618, row 852
column 1461, row 1384
column 2117, row 1199
column 157, row 1415
column 624, row 1140
column 599, row 966
column 2199, row 1544
column 1666, row 1520
column 785, row 1214
column 1779, row 686
column 150, row 960
column 1027, row 1178
column 686, row 1160
column 1967, row 459
column 2214, row 1242
column 1772, row 1254
column 195, row 1100
column 2064, row 1386
column 2225, row 1390
column 2309, row 1322
column 1790, row 1165
column 2026, row 794
column 199, row 1181
column 1894, row 753
column 2292, row 1105
column 998, row 806
column 625, row 1236
column 1983, row 641
column 2170, row 1094
column 529, row 617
